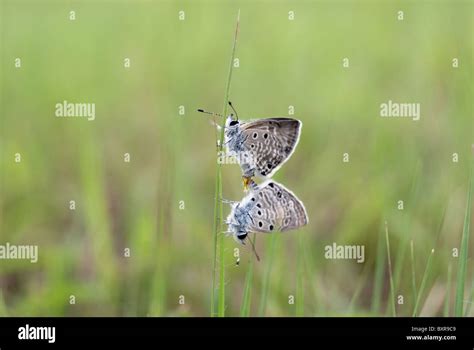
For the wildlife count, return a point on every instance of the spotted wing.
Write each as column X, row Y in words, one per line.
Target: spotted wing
column 276, row 209
column 271, row 142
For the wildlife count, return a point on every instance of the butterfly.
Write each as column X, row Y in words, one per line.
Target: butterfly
column 261, row 146
column 269, row 207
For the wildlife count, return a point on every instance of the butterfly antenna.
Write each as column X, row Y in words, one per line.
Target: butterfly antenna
column 253, row 248
column 211, row 113
column 236, row 115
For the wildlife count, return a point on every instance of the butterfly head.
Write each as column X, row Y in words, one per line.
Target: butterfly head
column 231, row 123
column 238, row 221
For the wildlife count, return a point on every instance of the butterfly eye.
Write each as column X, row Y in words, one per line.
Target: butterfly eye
column 233, row 122
column 242, row 236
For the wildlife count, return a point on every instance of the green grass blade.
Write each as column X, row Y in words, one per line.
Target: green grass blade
column 216, row 232
column 447, row 299
column 470, row 300
column 360, row 285
column 413, row 276
column 389, row 260
column 463, row 256
column 246, row 299
column 309, row 266
column 402, row 247
column 218, row 210
column 300, row 278
column 266, row 279
column 378, row 278
column 3, row 308
column 423, row 283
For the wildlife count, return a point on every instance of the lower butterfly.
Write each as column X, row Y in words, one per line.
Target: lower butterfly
column 268, row 208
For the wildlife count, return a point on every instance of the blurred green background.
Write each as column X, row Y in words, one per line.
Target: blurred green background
column 282, row 63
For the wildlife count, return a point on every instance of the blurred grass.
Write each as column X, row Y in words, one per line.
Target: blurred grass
column 245, row 307
column 423, row 284
column 393, row 297
column 463, row 253
column 184, row 63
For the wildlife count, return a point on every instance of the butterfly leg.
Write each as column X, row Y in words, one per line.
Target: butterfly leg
column 218, row 127
column 249, row 183
column 227, row 201
column 246, row 181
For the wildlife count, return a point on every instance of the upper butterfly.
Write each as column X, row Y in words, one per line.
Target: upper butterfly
column 261, row 146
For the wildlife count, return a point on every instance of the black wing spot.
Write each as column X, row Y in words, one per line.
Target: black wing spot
column 269, row 166
column 270, row 227
column 279, row 194
column 271, row 184
column 255, row 135
column 253, row 199
column 259, row 205
column 259, row 212
column 252, row 146
column 287, row 149
column 265, row 135
column 264, row 173
column 260, row 224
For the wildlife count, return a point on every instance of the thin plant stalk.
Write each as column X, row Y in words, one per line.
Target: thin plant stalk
column 413, row 270
column 469, row 301
column 378, row 278
column 447, row 299
column 423, row 283
column 299, row 278
column 392, row 287
column 246, row 299
column 266, row 278
column 218, row 210
column 463, row 255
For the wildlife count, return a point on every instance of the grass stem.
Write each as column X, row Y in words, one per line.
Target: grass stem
column 423, row 283
column 463, row 255
column 218, row 210
column 392, row 288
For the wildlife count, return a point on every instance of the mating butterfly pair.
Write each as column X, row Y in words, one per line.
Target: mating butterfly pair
column 269, row 207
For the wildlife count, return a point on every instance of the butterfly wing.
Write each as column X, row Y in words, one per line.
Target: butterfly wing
column 271, row 142
column 276, row 209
